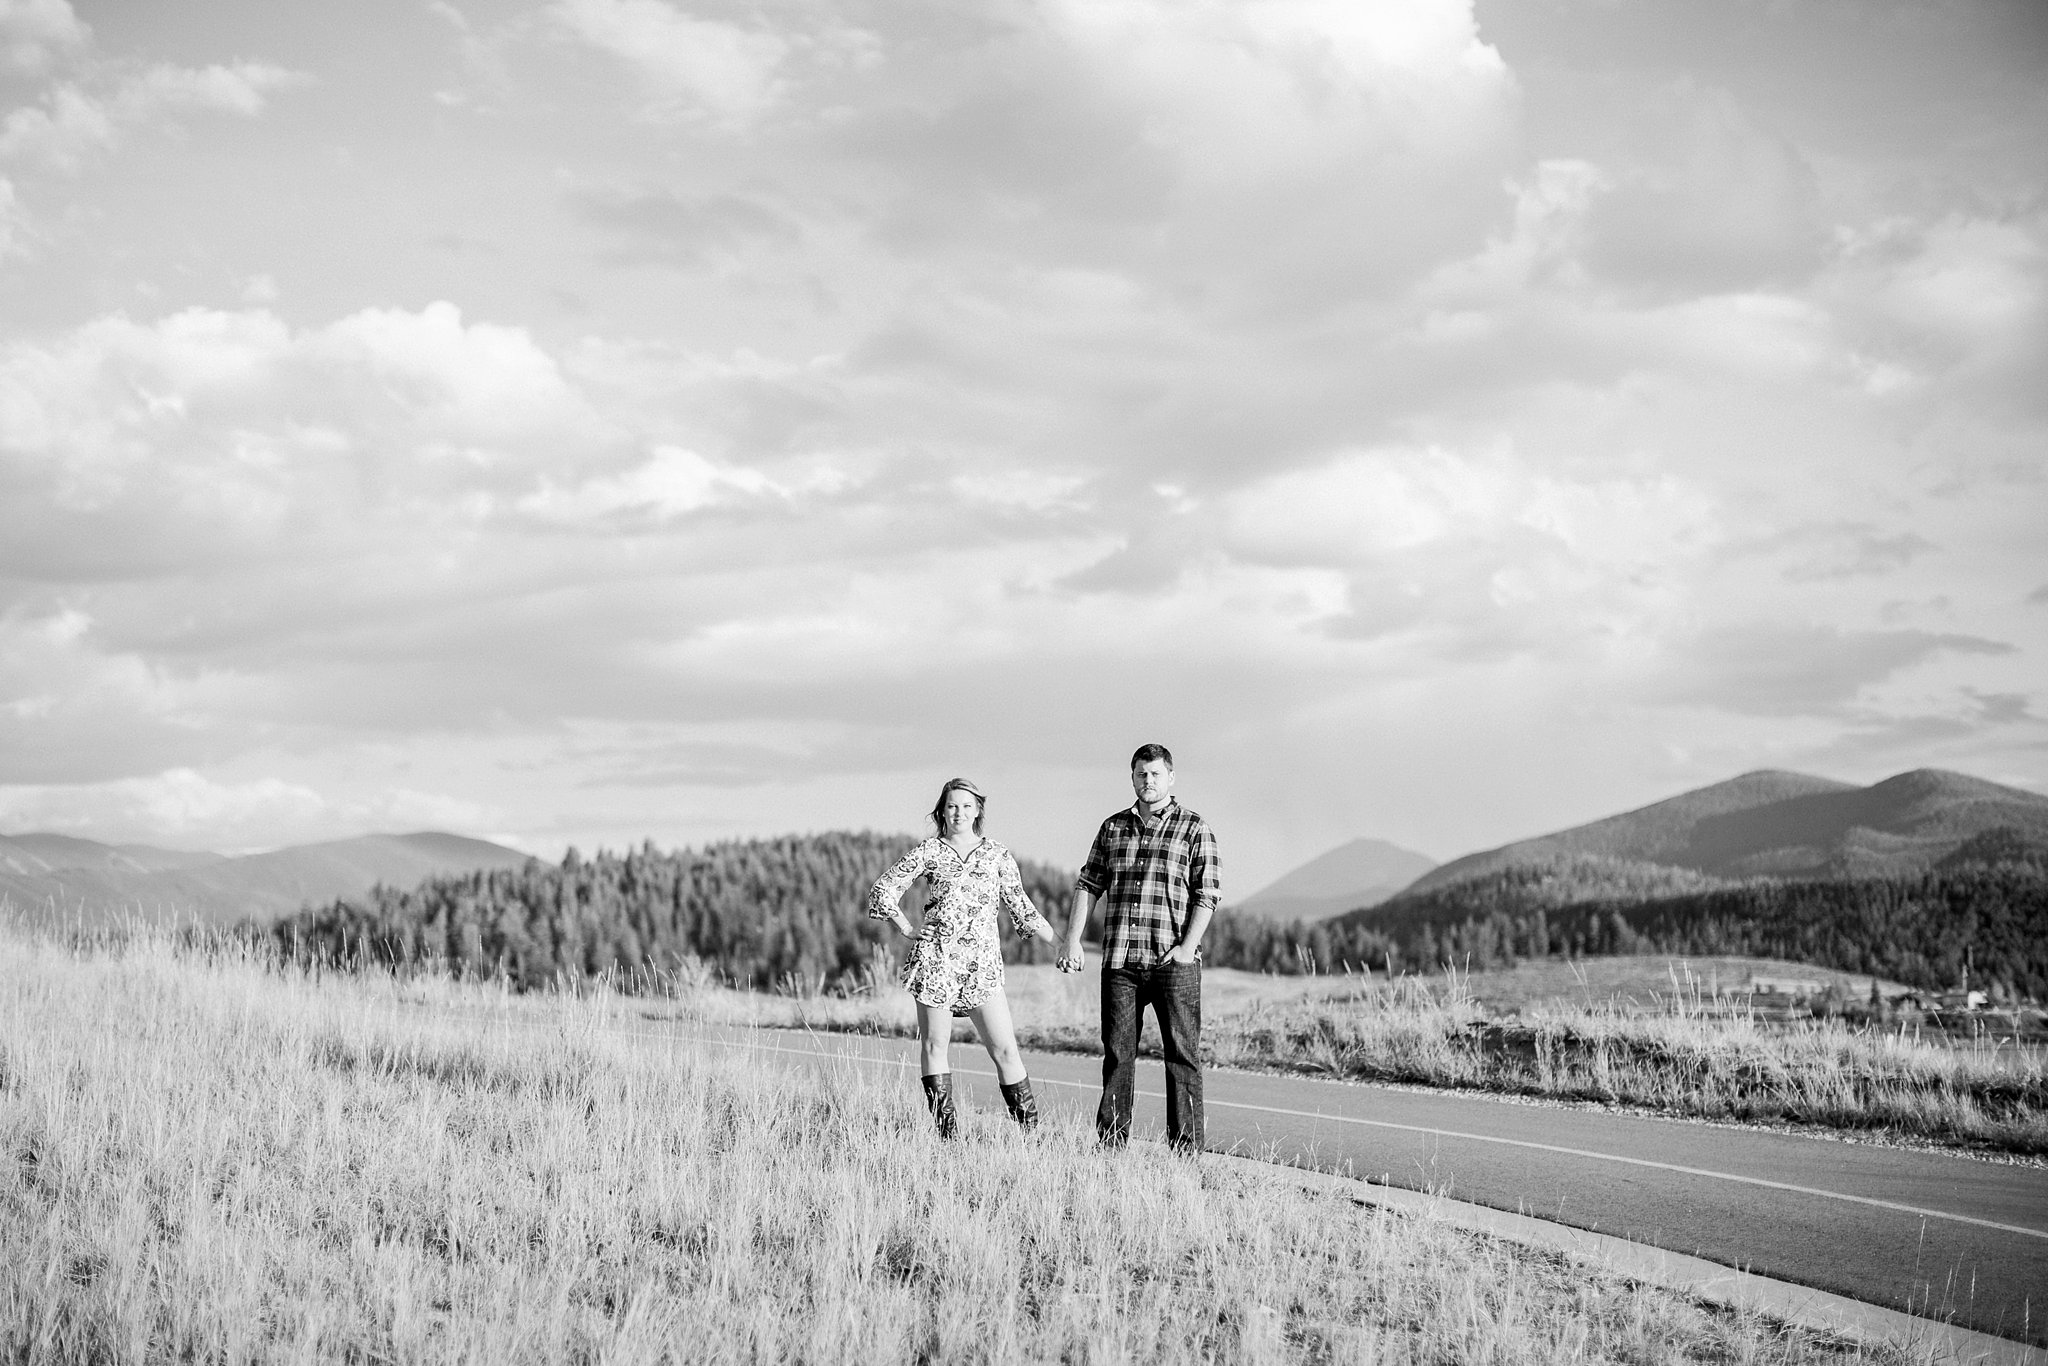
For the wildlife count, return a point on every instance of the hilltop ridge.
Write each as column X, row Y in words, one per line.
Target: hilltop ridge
column 85, row 880
column 1782, row 824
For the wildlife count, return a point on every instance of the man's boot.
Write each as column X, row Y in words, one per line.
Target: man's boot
column 1023, row 1105
column 938, row 1098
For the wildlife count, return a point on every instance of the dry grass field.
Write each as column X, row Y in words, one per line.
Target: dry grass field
column 209, row 1160
column 1634, row 1032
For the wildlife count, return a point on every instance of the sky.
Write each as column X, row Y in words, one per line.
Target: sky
column 598, row 421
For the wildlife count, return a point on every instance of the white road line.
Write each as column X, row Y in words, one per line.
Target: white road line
column 1646, row 1162
column 1411, row 1128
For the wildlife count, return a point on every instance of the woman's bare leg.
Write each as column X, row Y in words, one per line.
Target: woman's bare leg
column 999, row 1037
column 934, row 1032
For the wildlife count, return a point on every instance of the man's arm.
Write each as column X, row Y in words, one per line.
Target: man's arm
column 1205, row 885
column 1084, row 902
column 1089, row 887
column 1191, row 937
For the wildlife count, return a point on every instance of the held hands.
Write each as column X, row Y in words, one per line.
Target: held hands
column 1071, row 960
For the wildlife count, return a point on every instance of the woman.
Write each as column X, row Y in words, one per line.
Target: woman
column 955, row 967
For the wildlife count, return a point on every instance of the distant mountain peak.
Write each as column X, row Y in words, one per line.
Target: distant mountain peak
column 1361, row 872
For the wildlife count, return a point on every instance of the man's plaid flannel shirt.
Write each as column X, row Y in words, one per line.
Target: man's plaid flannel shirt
column 1152, row 874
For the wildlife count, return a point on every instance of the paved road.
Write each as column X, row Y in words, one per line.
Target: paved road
column 1945, row 1236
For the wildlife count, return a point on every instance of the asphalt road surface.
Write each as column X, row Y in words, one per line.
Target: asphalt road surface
column 1944, row 1236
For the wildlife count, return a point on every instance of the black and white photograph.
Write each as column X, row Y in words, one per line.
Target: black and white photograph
column 1012, row 681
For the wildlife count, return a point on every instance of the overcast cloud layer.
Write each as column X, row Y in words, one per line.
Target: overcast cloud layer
column 620, row 419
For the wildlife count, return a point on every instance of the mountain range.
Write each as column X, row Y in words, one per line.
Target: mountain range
column 1763, row 824
column 1784, row 825
column 64, row 876
column 1769, row 823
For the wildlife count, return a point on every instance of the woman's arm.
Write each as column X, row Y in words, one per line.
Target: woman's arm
column 888, row 892
column 1023, row 915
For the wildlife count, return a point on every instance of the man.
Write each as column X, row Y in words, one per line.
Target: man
column 1155, row 864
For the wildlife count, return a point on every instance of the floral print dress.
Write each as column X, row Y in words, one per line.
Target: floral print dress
column 957, row 959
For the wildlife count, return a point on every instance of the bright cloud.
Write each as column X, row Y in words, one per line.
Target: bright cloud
column 670, row 484
column 721, row 70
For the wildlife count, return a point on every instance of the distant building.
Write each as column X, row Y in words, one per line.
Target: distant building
column 1796, row 987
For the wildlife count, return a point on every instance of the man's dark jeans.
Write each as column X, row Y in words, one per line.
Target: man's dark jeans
column 1174, row 991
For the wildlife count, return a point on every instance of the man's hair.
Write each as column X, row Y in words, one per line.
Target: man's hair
column 1145, row 754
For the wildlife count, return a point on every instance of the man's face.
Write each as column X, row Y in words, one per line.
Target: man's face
column 1152, row 781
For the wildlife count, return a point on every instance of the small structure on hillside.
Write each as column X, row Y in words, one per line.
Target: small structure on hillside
column 1796, row 988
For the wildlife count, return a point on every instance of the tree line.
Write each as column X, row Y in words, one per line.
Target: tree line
column 771, row 913
column 760, row 913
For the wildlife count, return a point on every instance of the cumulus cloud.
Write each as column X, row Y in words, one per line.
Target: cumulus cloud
column 72, row 709
column 1266, row 90
column 36, row 34
column 72, row 122
column 213, row 437
column 1478, row 553
column 726, row 73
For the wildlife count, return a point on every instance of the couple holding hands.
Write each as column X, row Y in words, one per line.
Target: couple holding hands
column 1153, row 864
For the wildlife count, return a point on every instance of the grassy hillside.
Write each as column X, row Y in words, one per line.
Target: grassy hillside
column 209, row 1161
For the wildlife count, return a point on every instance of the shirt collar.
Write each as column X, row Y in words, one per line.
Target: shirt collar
column 1172, row 805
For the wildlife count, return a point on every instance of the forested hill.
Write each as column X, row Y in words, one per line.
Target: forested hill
column 761, row 912
column 1985, row 904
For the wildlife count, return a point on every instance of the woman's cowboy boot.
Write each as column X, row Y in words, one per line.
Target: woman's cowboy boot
column 938, row 1098
column 1023, row 1105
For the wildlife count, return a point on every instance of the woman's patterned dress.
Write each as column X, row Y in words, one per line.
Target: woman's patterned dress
column 957, row 960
